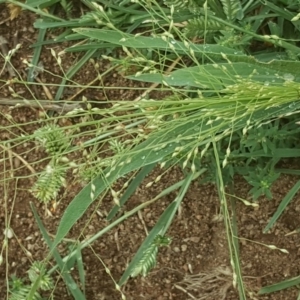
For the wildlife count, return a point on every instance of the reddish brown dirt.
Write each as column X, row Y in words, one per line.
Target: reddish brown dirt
column 199, row 244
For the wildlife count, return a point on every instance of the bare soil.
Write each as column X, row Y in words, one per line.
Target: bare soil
column 195, row 266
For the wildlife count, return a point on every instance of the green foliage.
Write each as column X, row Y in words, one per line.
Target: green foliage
column 148, row 260
column 192, row 5
column 52, row 138
column 200, row 27
column 254, row 154
column 49, row 183
column 37, row 270
column 19, row 290
column 231, row 22
column 67, row 5
column 91, row 170
column 293, row 4
column 262, row 179
column 232, row 9
column 22, row 294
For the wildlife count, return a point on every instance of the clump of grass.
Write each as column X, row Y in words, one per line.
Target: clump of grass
column 230, row 113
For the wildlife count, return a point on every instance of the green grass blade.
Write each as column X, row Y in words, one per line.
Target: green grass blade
column 230, row 229
column 258, row 19
column 265, row 38
column 119, row 7
column 46, row 24
column 280, row 286
column 59, row 39
column 211, row 50
column 72, row 71
column 70, row 283
column 80, row 267
column 160, row 227
column 235, row 239
column 36, row 55
column 284, row 203
column 90, row 46
column 144, row 42
column 157, row 229
column 131, row 189
column 288, row 171
column 212, row 76
column 41, row 3
column 277, row 153
column 38, row 11
column 284, row 13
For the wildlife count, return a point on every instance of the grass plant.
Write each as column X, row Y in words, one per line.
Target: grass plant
column 233, row 109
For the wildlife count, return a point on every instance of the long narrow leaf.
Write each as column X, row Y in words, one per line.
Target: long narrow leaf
column 211, row 50
column 212, row 76
column 80, row 267
column 38, row 11
column 36, row 55
column 144, row 42
column 70, row 283
column 280, row 286
column 282, row 206
column 131, row 189
column 160, row 227
column 73, row 70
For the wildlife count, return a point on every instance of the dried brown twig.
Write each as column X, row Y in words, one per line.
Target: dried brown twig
column 12, row 153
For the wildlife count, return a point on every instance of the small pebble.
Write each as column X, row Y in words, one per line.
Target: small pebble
column 176, row 249
column 183, row 248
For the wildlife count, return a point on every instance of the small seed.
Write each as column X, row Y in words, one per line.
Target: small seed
column 16, row 162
